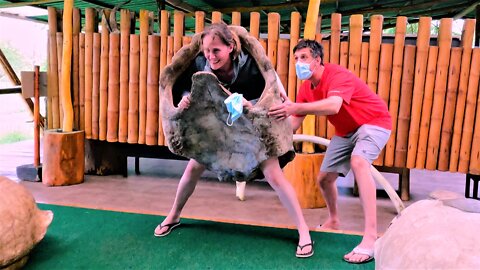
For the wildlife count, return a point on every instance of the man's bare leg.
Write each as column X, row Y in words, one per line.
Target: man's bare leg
column 328, row 187
column 368, row 196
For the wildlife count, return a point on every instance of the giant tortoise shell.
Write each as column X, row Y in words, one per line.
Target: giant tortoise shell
column 22, row 224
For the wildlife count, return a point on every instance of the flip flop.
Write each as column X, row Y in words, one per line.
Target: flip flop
column 305, row 255
column 361, row 251
column 169, row 227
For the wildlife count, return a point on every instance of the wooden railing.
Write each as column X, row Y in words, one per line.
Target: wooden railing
column 431, row 88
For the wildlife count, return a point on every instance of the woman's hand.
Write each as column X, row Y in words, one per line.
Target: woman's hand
column 247, row 104
column 184, row 103
column 283, row 110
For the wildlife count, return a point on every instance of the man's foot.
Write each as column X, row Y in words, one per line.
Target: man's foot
column 359, row 255
column 330, row 224
column 165, row 228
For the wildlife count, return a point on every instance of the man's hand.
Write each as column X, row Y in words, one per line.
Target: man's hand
column 184, row 103
column 247, row 104
column 283, row 110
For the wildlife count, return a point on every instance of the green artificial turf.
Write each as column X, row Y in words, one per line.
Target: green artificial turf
column 81, row 238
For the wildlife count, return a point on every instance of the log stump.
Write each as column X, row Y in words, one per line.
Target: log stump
column 63, row 157
column 302, row 173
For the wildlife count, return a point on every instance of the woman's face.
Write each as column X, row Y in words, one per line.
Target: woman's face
column 216, row 52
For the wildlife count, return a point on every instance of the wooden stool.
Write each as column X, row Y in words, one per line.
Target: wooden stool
column 302, row 173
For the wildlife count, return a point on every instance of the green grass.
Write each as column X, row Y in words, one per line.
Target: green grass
column 14, row 137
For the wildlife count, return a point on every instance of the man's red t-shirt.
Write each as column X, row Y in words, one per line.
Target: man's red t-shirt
column 360, row 104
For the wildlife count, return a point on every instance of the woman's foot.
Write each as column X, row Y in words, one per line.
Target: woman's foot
column 166, row 227
column 363, row 252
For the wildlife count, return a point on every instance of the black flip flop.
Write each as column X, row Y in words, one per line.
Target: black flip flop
column 305, row 255
column 170, row 227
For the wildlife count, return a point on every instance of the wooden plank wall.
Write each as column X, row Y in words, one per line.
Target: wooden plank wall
column 431, row 87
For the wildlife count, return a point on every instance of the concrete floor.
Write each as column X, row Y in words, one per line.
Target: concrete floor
column 153, row 192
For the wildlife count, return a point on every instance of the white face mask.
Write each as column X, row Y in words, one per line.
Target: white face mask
column 234, row 107
column 303, row 70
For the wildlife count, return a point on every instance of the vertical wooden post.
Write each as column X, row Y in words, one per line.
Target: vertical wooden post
column 467, row 41
column 282, row 62
column 364, row 62
column 81, row 84
column 216, row 17
column 236, row 18
column 113, row 87
column 152, row 90
column 423, row 42
column 273, row 35
column 142, row 96
column 405, row 105
column 355, row 43
column 178, row 30
column 426, row 107
column 199, row 21
column 104, row 62
column 134, row 70
column 36, row 117
column 295, row 20
column 75, row 67
column 90, row 23
column 96, row 86
column 255, row 24
column 376, row 25
column 124, row 55
column 444, row 45
column 53, row 108
column 469, row 121
column 336, row 27
column 397, row 66
column 59, row 70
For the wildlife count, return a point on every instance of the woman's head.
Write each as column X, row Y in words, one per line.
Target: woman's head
column 220, row 46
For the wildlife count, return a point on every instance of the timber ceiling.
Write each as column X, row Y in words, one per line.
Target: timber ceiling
column 390, row 9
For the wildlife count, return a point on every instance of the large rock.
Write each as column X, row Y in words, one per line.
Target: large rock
column 429, row 234
column 22, row 224
column 200, row 132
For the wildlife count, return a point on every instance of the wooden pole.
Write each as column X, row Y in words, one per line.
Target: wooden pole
column 475, row 154
column 355, row 43
column 364, row 62
column 217, row 17
column 467, row 41
column 445, row 43
column 142, row 96
column 469, row 121
column 67, row 66
column 426, row 107
column 273, row 35
column 405, row 105
column 295, row 20
column 113, row 87
column 152, row 90
column 423, row 42
column 54, row 118
column 81, row 83
column 59, row 66
column 336, row 27
column 384, row 76
column 134, row 70
column 308, row 126
column 376, row 22
column 255, row 24
column 396, row 79
column 236, row 18
column 104, row 63
column 344, row 54
column 169, row 49
column 124, row 55
column 165, row 30
column 178, row 30
column 282, row 62
column 448, row 116
column 75, row 67
column 36, row 118
column 90, row 23
column 199, row 21
column 96, row 86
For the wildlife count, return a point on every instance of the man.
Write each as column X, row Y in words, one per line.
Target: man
column 362, row 128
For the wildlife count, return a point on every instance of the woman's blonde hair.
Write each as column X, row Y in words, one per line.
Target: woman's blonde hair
column 226, row 36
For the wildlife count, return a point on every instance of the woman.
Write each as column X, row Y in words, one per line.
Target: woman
column 238, row 72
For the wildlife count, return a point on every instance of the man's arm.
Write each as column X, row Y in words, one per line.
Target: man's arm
column 328, row 106
column 296, row 122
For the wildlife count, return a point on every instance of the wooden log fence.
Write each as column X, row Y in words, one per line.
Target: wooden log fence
column 431, row 87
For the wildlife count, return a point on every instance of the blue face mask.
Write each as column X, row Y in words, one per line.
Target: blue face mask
column 303, row 70
column 234, row 107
